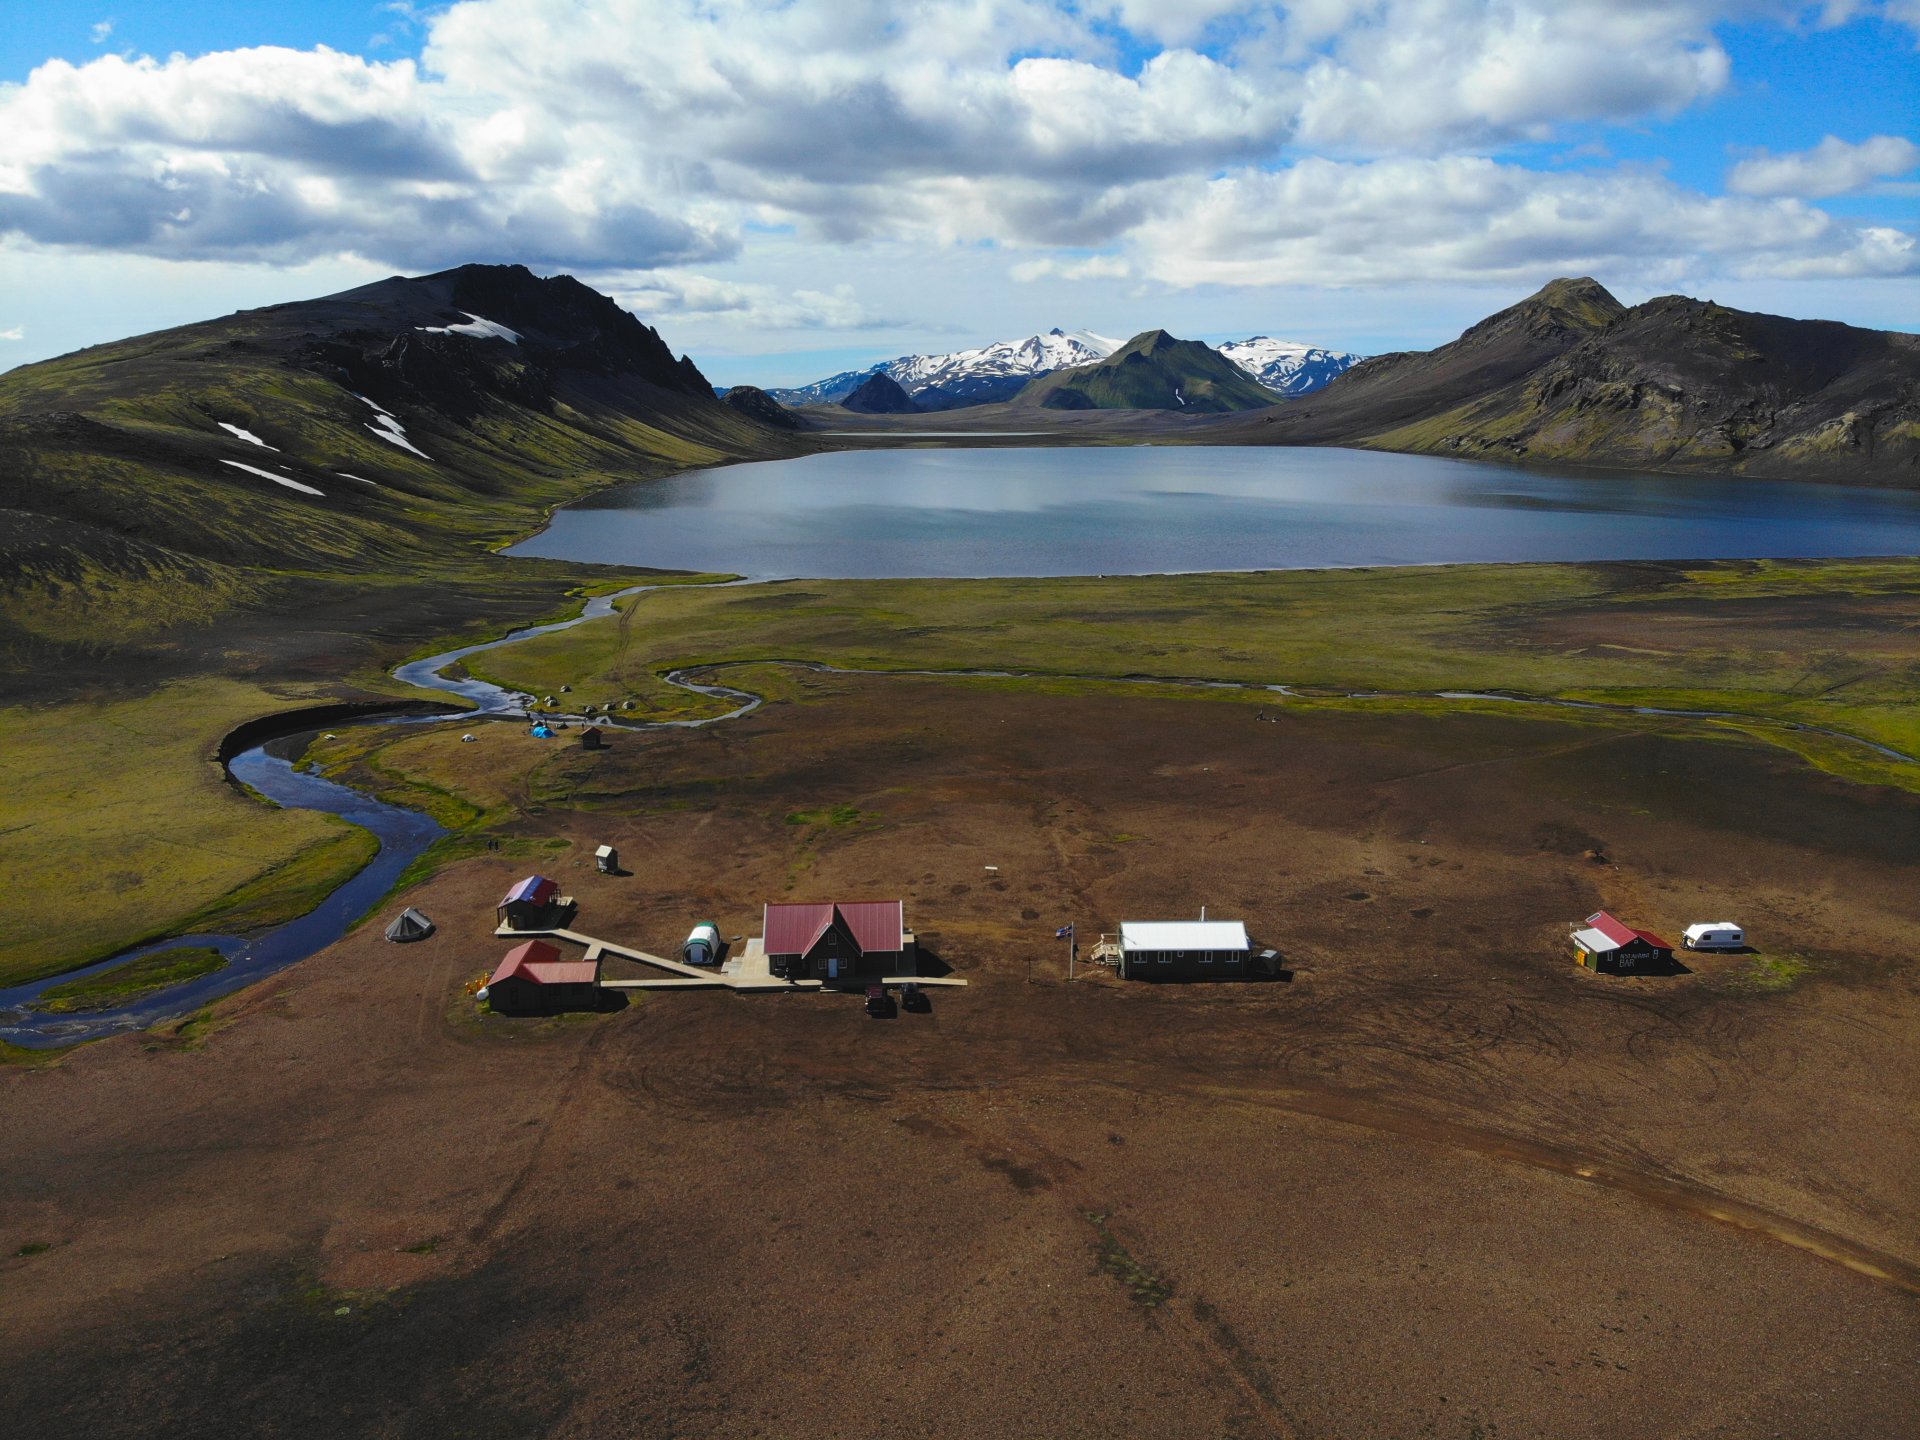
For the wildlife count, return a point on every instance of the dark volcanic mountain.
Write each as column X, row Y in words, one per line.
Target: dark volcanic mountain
column 272, row 461
column 880, row 394
column 1572, row 375
column 1152, row 371
column 756, row 404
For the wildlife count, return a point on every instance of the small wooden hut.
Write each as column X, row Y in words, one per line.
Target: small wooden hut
column 534, row 980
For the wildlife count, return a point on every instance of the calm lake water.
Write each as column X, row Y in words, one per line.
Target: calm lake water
column 1161, row 509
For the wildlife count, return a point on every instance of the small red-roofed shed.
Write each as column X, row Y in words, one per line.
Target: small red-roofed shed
column 1612, row 947
column 534, row 980
column 829, row 941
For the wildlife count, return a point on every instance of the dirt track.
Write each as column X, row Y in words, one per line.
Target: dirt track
column 1348, row 1205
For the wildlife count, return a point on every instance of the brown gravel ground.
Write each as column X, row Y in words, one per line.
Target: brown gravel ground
column 1440, row 1184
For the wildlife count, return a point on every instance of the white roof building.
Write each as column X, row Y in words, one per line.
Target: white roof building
column 1213, row 936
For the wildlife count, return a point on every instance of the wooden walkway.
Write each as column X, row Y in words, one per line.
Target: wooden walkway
column 746, row 972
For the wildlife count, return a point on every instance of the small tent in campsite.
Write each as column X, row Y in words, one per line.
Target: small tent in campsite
column 410, row 924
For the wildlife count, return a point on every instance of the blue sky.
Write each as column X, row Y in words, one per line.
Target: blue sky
column 786, row 190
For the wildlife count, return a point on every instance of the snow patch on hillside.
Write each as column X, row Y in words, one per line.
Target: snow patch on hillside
column 246, row 435
column 277, row 479
column 390, row 429
column 477, row 327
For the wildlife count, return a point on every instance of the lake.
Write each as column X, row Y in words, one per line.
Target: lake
column 1165, row 509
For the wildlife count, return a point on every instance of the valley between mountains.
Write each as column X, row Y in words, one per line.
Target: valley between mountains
column 1431, row 1179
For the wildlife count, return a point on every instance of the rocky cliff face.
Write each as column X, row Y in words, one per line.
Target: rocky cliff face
column 1570, row 375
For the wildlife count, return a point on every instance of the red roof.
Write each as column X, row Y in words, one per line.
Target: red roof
column 541, row 963
column 1621, row 933
column 876, row 925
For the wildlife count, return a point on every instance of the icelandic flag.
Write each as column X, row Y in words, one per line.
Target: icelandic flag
column 1065, row 932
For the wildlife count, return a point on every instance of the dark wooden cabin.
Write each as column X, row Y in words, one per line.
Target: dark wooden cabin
column 534, row 980
column 834, row 942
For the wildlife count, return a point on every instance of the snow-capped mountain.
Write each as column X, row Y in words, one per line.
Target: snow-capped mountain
column 1286, row 366
column 1035, row 355
column 968, row 377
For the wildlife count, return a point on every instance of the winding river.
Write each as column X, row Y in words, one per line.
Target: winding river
column 404, row 836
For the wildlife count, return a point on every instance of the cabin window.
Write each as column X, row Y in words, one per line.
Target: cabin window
column 1233, row 959
column 1206, row 957
column 1164, row 958
column 1181, row 954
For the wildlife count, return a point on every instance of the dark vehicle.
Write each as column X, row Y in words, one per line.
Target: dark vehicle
column 880, row 1004
column 914, row 1000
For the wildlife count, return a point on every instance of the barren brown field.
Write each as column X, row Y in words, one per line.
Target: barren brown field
column 1440, row 1183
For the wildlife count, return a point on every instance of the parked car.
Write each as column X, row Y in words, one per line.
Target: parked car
column 880, row 1004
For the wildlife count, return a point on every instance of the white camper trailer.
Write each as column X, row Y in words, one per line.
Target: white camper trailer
column 1715, row 935
column 607, row 859
column 702, row 947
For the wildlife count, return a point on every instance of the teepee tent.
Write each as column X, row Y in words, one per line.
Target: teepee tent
column 411, row 925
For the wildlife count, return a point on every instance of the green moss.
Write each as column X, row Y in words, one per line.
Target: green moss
column 836, row 817
column 150, row 972
column 1145, row 1288
column 295, row 886
column 1770, row 974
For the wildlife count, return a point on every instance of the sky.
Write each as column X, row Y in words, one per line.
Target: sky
column 789, row 189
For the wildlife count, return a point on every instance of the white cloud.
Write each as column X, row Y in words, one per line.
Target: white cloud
column 100, row 31
column 18, row 332
column 289, row 155
column 1240, row 142
column 1833, row 167
column 744, row 305
column 1472, row 219
column 1094, row 267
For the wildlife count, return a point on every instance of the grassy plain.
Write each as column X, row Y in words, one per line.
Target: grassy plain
column 1780, row 644
column 119, row 826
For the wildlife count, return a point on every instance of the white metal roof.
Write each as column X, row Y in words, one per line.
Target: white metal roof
column 1183, row 935
column 1709, row 927
column 1593, row 942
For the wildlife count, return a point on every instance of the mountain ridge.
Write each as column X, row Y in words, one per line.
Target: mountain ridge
column 986, row 374
column 1152, row 371
column 276, row 461
column 1570, row 375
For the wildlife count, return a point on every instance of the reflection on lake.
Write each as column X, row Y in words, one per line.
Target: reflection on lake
column 1149, row 509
